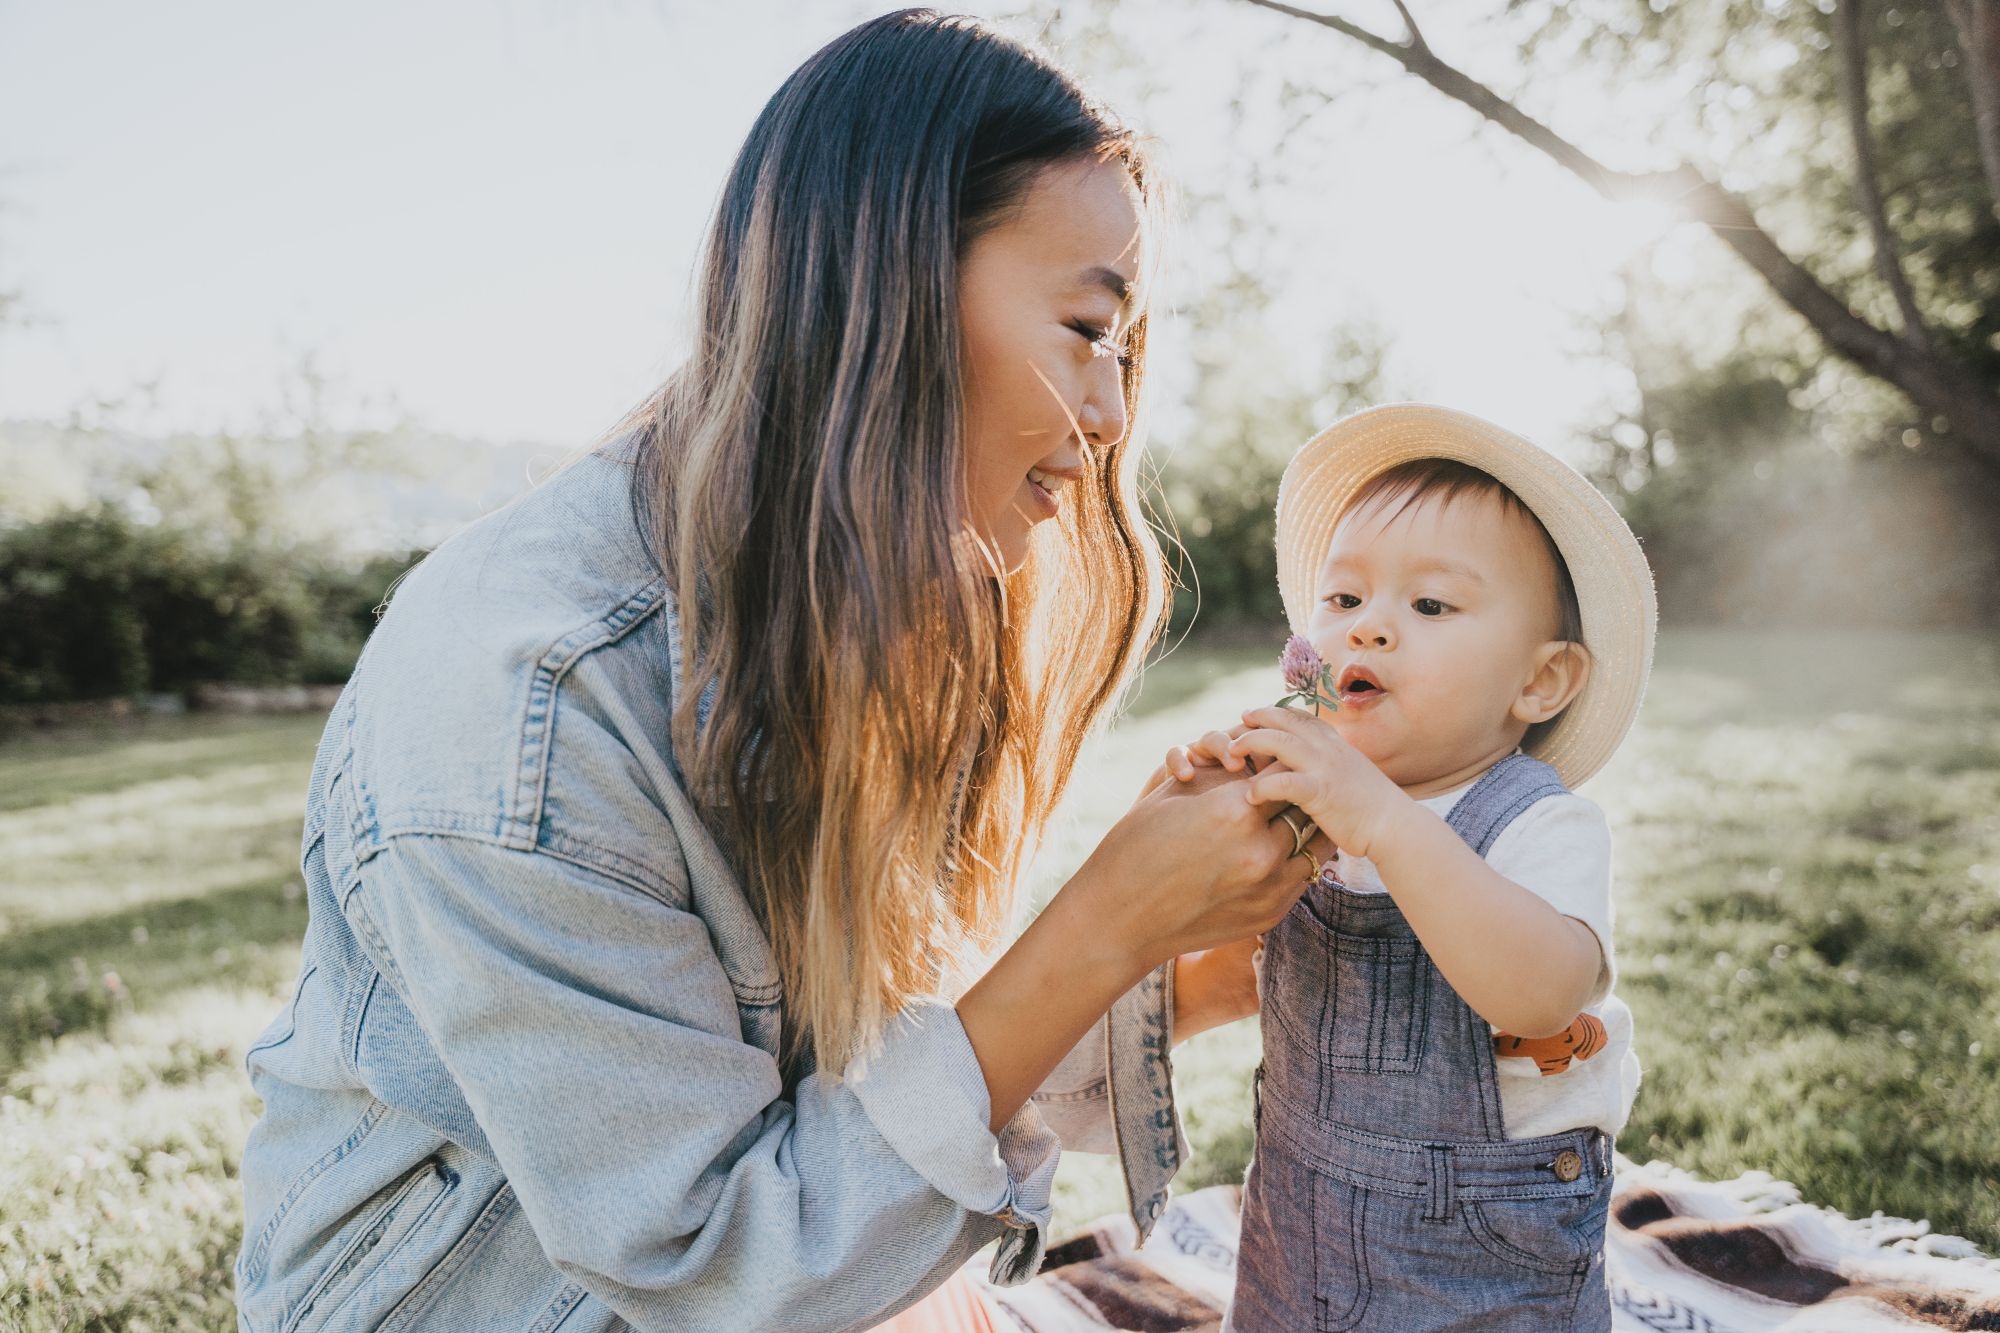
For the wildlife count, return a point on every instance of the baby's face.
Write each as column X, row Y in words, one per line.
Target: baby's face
column 1436, row 622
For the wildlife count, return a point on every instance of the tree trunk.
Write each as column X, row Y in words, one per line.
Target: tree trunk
column 1978, row 25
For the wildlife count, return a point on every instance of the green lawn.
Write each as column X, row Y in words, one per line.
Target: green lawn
column 1809, row 932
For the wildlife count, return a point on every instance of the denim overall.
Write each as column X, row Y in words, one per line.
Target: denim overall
column 1384, row 1193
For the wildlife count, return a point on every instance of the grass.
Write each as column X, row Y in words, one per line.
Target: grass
column 1808, row 896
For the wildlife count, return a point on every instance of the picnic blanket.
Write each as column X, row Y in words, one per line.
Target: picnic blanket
column 1684, row 1254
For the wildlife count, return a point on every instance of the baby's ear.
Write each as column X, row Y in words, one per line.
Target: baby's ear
column 1560, row 669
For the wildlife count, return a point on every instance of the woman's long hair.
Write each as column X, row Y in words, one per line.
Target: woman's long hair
column 889, row 721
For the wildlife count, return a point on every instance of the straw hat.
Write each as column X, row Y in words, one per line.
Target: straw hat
column 1614, row 585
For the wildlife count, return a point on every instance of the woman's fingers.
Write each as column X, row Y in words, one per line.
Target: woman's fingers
column 1212, row 866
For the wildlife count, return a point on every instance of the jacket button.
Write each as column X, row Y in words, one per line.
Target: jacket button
column 1567, row 1166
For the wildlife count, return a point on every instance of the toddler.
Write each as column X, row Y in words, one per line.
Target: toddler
column 1445, row 1065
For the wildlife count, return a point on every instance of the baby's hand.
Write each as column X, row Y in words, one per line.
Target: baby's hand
column 1198, row 767
column 1210, row 751
column 1312, row 767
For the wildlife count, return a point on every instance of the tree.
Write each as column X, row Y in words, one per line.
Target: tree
column 1918, row 96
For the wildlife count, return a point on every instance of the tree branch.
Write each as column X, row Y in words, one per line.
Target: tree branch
column 1978, row 25
column 1935, row 384
column 1853, row 61
column 1417, row 41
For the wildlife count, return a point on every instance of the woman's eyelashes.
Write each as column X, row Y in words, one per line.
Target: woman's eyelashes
column 1101, row 342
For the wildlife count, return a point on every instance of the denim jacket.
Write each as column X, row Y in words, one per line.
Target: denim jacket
column 529, row 1078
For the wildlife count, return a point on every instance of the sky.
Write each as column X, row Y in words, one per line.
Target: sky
column 485, row 213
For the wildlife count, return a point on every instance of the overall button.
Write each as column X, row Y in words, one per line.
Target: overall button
column 1567, row 1166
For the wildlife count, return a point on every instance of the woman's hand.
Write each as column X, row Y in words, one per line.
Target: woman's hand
column 1191, row 866
column 1308, row 764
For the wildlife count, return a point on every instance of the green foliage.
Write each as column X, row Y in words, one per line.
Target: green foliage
column 1753, row 515
column 150, row 918
column 1760, row 102
column 66, row 600
column 98, row 605
column 1768, row 476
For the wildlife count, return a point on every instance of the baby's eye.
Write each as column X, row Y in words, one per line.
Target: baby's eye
column 1345, row 601
column 1429, row 606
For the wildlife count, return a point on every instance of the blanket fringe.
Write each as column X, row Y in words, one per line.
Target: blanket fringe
column 1762, row 1192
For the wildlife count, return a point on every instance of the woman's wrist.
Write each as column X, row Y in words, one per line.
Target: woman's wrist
column 1043, row 994
column 1104, row 924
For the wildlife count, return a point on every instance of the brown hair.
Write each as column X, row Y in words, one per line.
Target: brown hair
column 1418, row 479
column 890, row 722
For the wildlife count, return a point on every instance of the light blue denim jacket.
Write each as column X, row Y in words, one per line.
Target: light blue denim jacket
column 528, row 1078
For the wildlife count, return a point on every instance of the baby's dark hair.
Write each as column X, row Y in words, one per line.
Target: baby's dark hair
column 1403, row 485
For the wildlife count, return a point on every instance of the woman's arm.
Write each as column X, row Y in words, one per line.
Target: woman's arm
column 1190, row 867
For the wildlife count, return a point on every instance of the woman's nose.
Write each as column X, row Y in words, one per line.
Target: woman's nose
column 1102, row 418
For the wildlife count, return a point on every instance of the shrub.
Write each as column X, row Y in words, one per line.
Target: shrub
column 95, row 605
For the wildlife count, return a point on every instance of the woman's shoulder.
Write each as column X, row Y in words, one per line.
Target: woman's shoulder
column 519, row 686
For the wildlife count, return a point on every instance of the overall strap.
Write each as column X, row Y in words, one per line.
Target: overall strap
column 1499, row 797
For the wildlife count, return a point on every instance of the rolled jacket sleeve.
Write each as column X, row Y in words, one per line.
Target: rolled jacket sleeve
column 926, row 1093
column 598, row 1042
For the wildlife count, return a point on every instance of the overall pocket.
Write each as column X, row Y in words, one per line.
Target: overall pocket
column 1362, row 1001
column 1559, row 1236
column 1339, row 1253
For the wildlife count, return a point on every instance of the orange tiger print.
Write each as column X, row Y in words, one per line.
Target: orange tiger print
column 1583, row 1038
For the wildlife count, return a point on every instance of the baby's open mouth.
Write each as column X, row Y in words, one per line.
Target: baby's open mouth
column 1358, row 683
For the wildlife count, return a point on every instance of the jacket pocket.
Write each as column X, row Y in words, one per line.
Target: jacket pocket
column 384, row 1230
column 417, row 1302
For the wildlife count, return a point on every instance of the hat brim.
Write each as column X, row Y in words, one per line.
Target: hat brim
column 1614, row 584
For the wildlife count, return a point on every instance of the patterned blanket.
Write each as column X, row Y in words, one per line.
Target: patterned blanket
column 1738, row 1256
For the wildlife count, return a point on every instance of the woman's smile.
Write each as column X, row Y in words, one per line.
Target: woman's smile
column 1045, row 488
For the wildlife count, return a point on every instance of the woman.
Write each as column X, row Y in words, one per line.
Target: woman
column 670, row 811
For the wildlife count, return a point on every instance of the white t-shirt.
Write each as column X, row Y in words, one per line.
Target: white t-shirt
column 1559, row 848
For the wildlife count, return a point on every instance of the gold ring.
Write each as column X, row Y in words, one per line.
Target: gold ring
column 1300, row 836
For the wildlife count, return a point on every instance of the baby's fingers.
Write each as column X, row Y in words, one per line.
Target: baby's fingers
column 1214, row 748
column 1282, row 746
column 1280, row 786
column 1211, row 751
